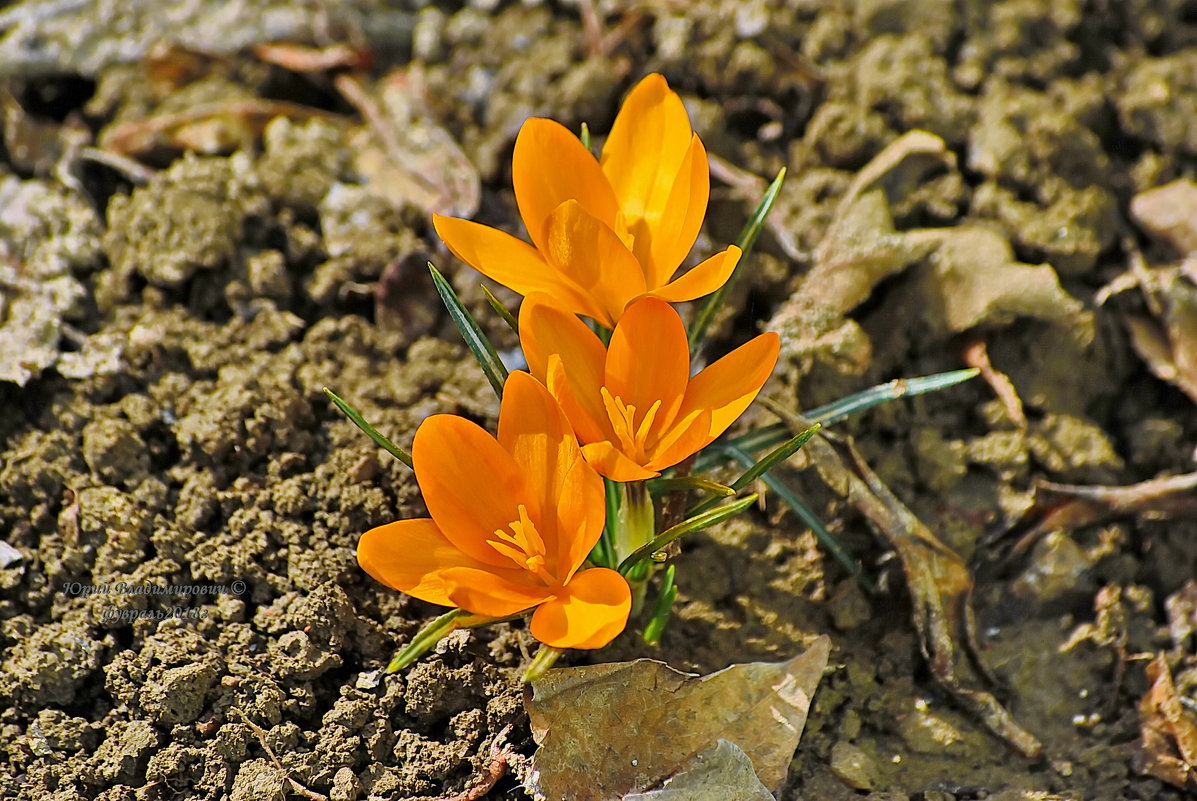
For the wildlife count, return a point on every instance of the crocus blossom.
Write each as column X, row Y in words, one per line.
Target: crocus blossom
column 604, row 231
column 512, row 520
column 633, row 404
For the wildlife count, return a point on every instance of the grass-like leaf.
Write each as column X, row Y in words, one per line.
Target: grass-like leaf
column 771, row 436
column 748, row 236
column 370, row 431
column 763, row 466
column 829, row 541
column 500, row 309
column 665, row 485
column 477, row 342
column 662, row 608
column 690, row 525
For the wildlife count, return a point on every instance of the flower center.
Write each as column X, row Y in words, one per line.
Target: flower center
column 524, row 546
column 633, row 438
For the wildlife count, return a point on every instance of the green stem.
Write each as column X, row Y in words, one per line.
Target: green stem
column 545, row 658
column 636, row 520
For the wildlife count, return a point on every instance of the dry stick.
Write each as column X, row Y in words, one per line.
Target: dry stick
column 261, row 735
column 500, row 754
column 977, row 355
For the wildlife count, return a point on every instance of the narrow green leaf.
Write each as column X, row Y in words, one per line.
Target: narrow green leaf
column 425, row 638
column 370, row 431
column 477, row 342
column 662, row 608
column 688, row 526
column 748, row 236
column 828, row 540
column 663, row 486
column 771, row 436
column 585, row 136
column 500, row 309
column 755, row 471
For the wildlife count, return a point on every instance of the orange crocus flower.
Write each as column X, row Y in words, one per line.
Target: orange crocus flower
column 633, row 404
column 511, row 522
column 607, row 231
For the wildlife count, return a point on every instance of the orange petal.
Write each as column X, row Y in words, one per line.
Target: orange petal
column 412, row 555
column 592, row 257
column 647, row 143
column 612, row 463
column 729, row 386
column 648, row 360
column 510, row 261
column 488, row 593
column 702, row 279
column 471, row 485
column 675, row 226
column 534, row 430
column 689, row 435
column 590, row 612
column 550, row 165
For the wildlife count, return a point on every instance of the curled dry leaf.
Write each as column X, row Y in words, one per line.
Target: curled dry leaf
column 402, row 155
column 1070, row 506
column 1169, row 213
column 940, row 584
column 627, row 729
column 1167, row 744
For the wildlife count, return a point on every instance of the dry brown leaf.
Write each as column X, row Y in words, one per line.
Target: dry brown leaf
column 1168, row 343
column 1167, row 745
column 1169, row 213
column 939, row 582
column 208, row 128
column 607, row 731
column 402, row 155
column 1067, row 506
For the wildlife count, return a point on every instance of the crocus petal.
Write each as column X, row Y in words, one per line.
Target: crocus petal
column 471, row 486
column 534, row 430
column 549, row 166
column 647, row 143
column 484, row 592
column 729, row 386
column 412, row 555
column 702, row 279
column 585, row 412
column 648, row 360
column 590, row 612
column 689, row 434
column 612, row 463
column 677, row 225
column 513, row 263
column 592, row 257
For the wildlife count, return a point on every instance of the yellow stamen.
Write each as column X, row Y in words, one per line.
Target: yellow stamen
column 633, row 439
column 524, row 546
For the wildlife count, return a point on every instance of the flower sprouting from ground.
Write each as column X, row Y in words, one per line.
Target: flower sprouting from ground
column 512, row 520
column 633, row 404
column 607, row 231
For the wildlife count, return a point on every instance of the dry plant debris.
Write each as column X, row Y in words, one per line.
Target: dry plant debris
column 1167, row 745
column 634, row 730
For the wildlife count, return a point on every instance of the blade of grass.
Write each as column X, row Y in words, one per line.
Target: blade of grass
column 370, row 431
column 763, row 466
column 662, row 608
column 748, row 236
column 663, row 486
column 771, row 436
column 477, row 342
column 690, row 525
column 500, row 309
column 828, row 540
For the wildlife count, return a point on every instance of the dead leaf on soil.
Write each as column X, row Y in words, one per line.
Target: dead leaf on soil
column 207, row 128
column 1169, row 213
column 939, row 582
column 642, row 730
column 1167, row 342
column 1167, row 744
column 1067, row 506
column 402, row 155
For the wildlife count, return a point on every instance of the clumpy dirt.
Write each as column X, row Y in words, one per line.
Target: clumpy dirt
column 170, row 320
